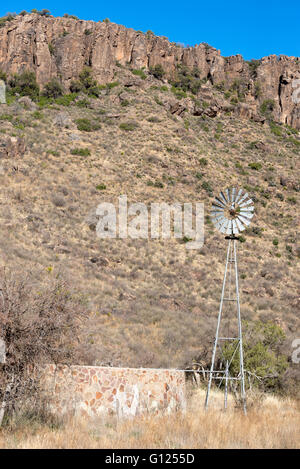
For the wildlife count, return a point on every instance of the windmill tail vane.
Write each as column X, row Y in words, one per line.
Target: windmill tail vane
column 231, row 214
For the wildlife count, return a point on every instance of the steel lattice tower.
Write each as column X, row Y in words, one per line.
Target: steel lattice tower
column 231, row 214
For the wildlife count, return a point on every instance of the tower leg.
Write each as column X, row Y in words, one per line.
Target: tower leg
column 242, row 375
column 218, row 328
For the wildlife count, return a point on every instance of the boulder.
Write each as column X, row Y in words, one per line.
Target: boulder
column 12, row 147
column 62, row 120
column 27, row 103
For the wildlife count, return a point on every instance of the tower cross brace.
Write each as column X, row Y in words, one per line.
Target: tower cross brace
column 230, row 282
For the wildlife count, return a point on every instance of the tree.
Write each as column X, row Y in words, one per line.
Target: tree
column 25, row 84
column 157, row 71
column 86, row 83
column 262, row 344
column 39, row 324
column 53, row 89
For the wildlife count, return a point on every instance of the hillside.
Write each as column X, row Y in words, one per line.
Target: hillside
column 152, row 303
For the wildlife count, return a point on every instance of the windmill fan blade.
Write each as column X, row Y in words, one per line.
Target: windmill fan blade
column 221, row 222
column 228, row 195
column 239, row 195
column 229, row 227
column 244, row 220
column 215, row 204
column 223, row 197
column 217, row 215
column 233, row 194
column 247, row 209
column 246, row 214
column 234, row 227
column 217, row 210
column 220, row 202
column 243, row 198
column 223, row 228
column 240, row 226
column 244, row 204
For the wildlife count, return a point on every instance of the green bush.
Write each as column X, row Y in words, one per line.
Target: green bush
column 275, row 242
column 157, row 71
column 66, row 99
column 80, row 151
column 187, row 79
column 255, row 166
column 3, row 76
column 140, row 73
column 51, row 48
column 207, row 187
column 261, row 345
column 53, row 89
column 179, row 93
column 8, row 17
column 128, row 126
column 86, row 83
column 112, row 85
column 101, row 187
column 85, row 125
column 267, row 107
column 25, row 84
column 66, row 15
column 203, row 162
column 275, row 129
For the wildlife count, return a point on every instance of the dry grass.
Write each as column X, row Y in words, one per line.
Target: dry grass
column 273, row 423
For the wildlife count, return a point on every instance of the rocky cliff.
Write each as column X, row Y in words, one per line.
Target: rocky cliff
column 61, row 47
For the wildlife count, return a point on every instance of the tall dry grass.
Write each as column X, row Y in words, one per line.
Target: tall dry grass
column 271, row 423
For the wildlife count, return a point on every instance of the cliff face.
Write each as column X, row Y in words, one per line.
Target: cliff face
column 62, row 46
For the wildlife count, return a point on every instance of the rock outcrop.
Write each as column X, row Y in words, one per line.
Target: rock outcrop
column 12, row 147
column 61, row 47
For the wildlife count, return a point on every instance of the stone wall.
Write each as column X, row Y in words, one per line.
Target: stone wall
column 94, row 390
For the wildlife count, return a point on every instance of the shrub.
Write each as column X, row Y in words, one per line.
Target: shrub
column 81, row 151
column 255, row 166
column 267, row 107
column 3, row 76
column 25, row 84
column 51, row 48
column 140, row 73
column 44, row 12
column 157, row 71
column 85, row 125
column 275, row 129
column 178, row 92
column 39, row 324
column 66, row 15
column 275, row 242
column 66, row 99
column 253, row 66
column 101, row 187
column 128, row 126
column 203, row 162
column 53, row 89
column 207, row 187
column 86, row 83
column 261, row 344
column 8, row 17
column 187, row 79
column 112, row 85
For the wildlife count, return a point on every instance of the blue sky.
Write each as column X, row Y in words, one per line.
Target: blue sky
column 254, row 29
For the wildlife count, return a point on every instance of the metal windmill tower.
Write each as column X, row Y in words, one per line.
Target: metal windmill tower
column 231, row 213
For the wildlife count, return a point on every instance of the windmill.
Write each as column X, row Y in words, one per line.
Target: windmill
column 231, row 213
